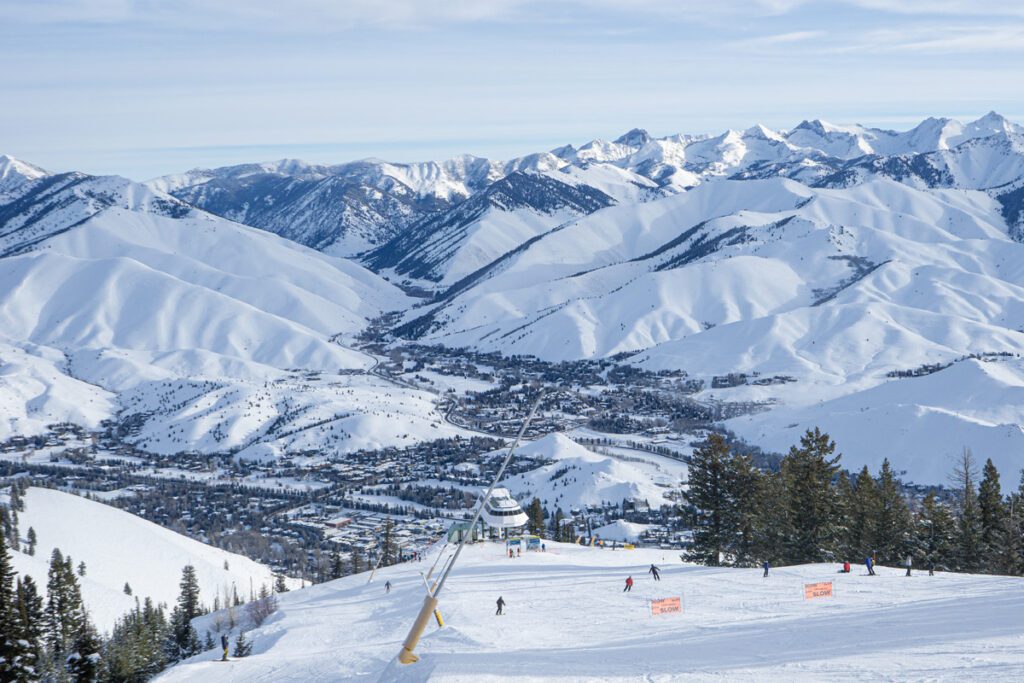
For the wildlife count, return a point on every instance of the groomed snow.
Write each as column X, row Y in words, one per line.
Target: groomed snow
column 568, row 620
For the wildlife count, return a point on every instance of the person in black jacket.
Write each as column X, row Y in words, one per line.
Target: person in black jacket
column 501, row 604
column 224, row 644
column 654, row 572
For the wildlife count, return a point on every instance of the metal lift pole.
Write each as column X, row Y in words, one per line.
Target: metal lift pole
column 407, row 656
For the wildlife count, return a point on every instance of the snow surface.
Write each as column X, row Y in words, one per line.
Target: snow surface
column 568, row 620
column 118, row 547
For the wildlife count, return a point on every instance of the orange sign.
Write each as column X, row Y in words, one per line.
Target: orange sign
column 817, row 590
column 666, row 606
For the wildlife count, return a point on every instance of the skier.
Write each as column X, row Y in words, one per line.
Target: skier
column 931, row 567
column 511, row 555
column 654, row 571
column 501, row 605
column 870, row 565
column 519, row 552
column 846, row 567
column 629, row 585
column 543, row 548
column 224, row 645
column 387, row 586
column 908, row 563
column 765, row 565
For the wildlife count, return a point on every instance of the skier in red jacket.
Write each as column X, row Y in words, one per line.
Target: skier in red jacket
column 629, row 584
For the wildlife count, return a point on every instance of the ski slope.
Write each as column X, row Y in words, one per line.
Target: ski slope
column 118, row 547
column 568, row 620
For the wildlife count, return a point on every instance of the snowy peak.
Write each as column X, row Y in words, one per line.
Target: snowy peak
column 638, row 137
column 15, row 174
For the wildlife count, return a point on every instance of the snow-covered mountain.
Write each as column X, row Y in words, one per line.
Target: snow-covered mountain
column 568, row 619
column 116, row 298
column 119, row 548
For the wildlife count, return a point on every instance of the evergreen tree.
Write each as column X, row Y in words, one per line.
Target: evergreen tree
column 280, row 586
column 936, row 531
column 388, row 548
column 16, row 655
column 337, row 569
column 893, row 524
column 771, row 527
column 860, row 527
column 127, row 588
column 243, row 648
column 32, row 541
column 81, row 568
column 535, row 512
column 968, row 540
column 63, row 605
column 708, row 493
column 31, row 618
column 992, row 513
column 807, row 473
column 184, row 641
column 745, row 485
column 84, row 662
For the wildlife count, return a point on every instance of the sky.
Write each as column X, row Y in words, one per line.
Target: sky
column 142, row 88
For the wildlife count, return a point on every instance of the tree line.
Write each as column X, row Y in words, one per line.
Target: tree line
column 52, row 638
column 810, row 510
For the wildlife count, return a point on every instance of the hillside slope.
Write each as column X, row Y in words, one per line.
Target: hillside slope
column 118, row 547
column 569, row 620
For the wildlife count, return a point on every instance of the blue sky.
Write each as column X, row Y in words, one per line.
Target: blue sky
column 147, row 87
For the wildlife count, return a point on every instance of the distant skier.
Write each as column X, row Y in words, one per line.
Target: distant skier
column 224, row 646
column 543, row 548
column 629, row 585
column 511, row 555
column 654, row 572
column 387, row 586
column 869, row 563
column 766, row 567
column 931, row 567
column 846, row 567
column 519, row 552
column 908, row 563
column 501, row 606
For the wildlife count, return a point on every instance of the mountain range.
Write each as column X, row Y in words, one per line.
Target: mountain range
column 877, row 272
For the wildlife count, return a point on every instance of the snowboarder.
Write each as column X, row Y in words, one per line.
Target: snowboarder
column 869, row 563
column 387, row 586
column 224, row 646
column 654, row 571
column 501, row 605
column 629, row 585
column 766, row 567
column 908, row 563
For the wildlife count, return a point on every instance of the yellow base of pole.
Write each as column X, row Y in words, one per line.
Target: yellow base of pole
column 406, row 656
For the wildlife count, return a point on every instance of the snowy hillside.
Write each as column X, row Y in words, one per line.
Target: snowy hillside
column 568, row 619
column 116, row 299
column 118, row 548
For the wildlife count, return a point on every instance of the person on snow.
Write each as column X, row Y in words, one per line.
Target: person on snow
column 519, row 552
column 501, row 605
column 387, row 586
column 629, row 585
column 543, row 548
column 846, row 567
column 908, row 563
column 931, row 567
column 511, row 555
column 654, row 572
column 224, row 645
column 870, row 565
column 765, row 565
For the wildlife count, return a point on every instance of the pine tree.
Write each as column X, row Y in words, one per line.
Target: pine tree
column 280, row 586
column 31, row 618
column 807, row 473
column 771, row 525
column 16, row 656
column 893, row 524
column 388, row 549
column 708, row 493
column 992, row 513
column 243, row 648
column 127, row 588
column 184, row 641
column 535, row 512
column 968, row 541
column 63, row 605
column 745, row 487
column 936, row 532
column 84, row 663
column 32, row 541
column 337, row 569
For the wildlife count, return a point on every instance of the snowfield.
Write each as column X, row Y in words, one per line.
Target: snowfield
column 118, row 547
column 568, row 620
